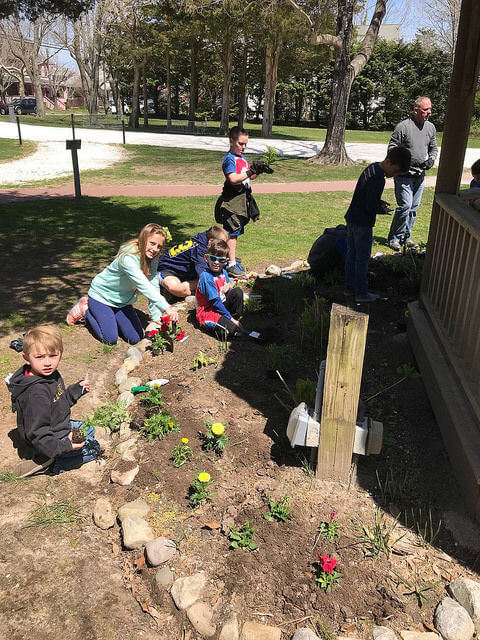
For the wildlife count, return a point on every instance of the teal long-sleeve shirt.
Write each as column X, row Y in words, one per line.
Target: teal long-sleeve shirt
column 122, row 281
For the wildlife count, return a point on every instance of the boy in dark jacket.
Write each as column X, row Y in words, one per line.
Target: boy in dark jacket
column 43, row 405
column 180, row 267
column 361, row 217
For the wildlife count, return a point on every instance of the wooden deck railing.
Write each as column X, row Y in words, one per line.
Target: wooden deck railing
column 451, row 288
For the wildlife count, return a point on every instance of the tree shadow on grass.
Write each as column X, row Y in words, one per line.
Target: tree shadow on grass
column 51, row 249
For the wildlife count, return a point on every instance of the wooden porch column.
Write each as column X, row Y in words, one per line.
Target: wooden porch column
column 343, row 375
column 460, row 104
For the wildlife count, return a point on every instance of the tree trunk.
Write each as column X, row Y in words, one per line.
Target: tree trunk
column 227, row 83
column 242, row 88
column 169, row 93
column 272, row 58
column 145, row 98
column 194, row 47
column 137, row 68
column 334, row 151
column 21, row 86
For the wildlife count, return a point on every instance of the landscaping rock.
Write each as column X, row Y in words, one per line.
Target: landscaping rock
column 131, row 443
column 129, row 364
column 136, row 532
column 230, row 629
column 121, row 375
column 126, row 398
column 133, row 352
column 160, row 550
column 419, row 635
column 383, row 633
column 273, row 270
column 452, row 620
column 467, row 593
column 142, row 345
column 164, row 577
column 298, row 264
column 186, row 591
column 125, row 432
column 128, row 383
column 103, row 515
column 137, row 507
column 255, row 631
column 201, row 616
column 305, row 634
column 124, row 477
column 130, row 455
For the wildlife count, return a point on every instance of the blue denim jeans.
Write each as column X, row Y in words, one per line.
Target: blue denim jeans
column 359, row 248
column 75, row 459
column 408, row 194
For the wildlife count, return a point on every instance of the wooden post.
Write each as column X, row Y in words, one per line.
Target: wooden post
column 346, row 348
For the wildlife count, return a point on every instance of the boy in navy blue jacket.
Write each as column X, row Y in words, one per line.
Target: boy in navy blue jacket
column 361, row 216
column 180, row 267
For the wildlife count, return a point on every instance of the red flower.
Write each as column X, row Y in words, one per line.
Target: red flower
column 332, row 516
column 165, row 319
column 152, row 333
column 180, row 335
column 328, row 563
column 164, row 327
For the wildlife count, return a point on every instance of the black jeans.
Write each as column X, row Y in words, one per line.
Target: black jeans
column 234, row 304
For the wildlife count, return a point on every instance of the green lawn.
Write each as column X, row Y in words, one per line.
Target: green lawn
column 53, row 249
column 63, row 119
column 11, row 150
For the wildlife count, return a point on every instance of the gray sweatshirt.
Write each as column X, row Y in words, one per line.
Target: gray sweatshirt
column 420, row 140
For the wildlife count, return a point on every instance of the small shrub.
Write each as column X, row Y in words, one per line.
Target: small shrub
column 314, row 322
column 305, row 391
column 153, row 398
column 253, row 305
column 159, row 425
column 108, row 416
column 270, row 156
column 281, row 357
column 278, row 510
column 215, row 437
column 243, row 538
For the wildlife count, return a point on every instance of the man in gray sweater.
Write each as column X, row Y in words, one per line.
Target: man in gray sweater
column 419, row 136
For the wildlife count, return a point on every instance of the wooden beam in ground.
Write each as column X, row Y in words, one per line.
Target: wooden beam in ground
column 346, row 349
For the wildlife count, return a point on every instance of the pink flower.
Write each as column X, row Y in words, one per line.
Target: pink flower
column 332, row 516
column 152, row 333
column 328, row 563
column 180, row 335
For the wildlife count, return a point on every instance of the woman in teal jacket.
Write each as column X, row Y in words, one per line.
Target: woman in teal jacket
column 112, row 292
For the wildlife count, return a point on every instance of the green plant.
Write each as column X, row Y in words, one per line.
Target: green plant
column 108, row 348
column 243, row 538
column 314, row 322
column 281, row 357
column 329, row 530
column 304, row 279
column 198, row 489
column 408, row 371
column 422, row 522
column 200, row 361
column 307, row 467
column 159, row 425
column 159, row 341
column 395, row 489
column 253, row 305
column 324, row 632
column 270, row 156
column 109, row 416
column 278, row 510
column 326, row 576
column 251, row 279
column 9, row 476
column 215, row 437
column 417, row 588
column 378, row 538
column 56, row 513
column 181, row 453
column 153, row 398
column 305, row 391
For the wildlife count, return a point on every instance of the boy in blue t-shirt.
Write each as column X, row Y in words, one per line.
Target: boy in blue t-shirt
column 361, row 216
column 236, row 206
column 180, row 267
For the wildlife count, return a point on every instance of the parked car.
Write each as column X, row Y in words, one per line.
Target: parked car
column 25, row 105
column 113, row 108
column 150, row 106
column 3, row 108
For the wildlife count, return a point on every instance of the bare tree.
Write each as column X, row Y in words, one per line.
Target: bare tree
column 58, row 76
column 344, row 73
column 26, row 44
column 443, row 17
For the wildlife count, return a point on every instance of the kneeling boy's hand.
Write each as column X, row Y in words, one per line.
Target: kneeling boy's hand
column 75, row 445
column 85, row 384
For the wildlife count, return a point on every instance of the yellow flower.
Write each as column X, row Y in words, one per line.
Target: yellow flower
column 218, row 428
column 184, row 440
column 204, row 477
column 171, row 424
column 156, row 385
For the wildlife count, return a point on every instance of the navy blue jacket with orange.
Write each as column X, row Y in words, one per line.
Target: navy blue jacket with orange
column 366, row 200
column 187, row 259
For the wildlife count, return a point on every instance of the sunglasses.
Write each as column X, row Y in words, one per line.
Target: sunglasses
column 217, row 259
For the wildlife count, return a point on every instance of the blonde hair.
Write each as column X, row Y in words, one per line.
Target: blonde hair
column 47, row 336
column 216, row 233
column 137, row 246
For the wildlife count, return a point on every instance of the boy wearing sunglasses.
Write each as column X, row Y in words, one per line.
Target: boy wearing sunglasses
column 219, row 307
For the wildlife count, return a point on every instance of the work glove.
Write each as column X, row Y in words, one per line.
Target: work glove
column 259, row 166
column 428, row 164
column 385, row 208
